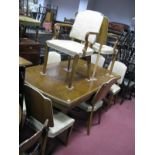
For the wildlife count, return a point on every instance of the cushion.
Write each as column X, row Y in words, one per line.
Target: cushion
column 86, row 21
column 115, row 89
column 104, row 50
column 53, row 57
column 68, row 47
column 87, row 107
column 61, row 123
column 120, row 69
column 100, row 62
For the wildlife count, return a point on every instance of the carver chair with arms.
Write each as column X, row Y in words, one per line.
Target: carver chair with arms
column 36, row 144
column 96, row 103
column 39, row 108
column 83, row 35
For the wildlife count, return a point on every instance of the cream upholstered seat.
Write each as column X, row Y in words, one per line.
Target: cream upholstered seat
column 100, row 62
column 83, row 34
column 39, row 108
column 120, row 69
column 61, row 123
column 96, row 102
column 69, row 47
column 107, row 50
column 53, row 57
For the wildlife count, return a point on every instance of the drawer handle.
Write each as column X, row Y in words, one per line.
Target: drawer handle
column 30, row 47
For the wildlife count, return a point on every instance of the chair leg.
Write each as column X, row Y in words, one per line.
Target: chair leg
column 64, row 137
column 45, row 59
column 88, row 66
column 110, row 100
column 68, row 135
column 99, row 115
column 89, row 122
column 69, row 62
column 74, row 66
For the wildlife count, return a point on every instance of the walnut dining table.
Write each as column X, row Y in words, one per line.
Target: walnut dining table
column 54, row 83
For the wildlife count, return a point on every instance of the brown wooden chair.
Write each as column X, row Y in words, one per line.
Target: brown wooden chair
column 39, row 108
column 96, row 103
column 36, row 144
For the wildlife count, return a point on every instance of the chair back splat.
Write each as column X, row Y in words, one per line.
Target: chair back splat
column 37, row 105
column 103, row 91
column 86, row 21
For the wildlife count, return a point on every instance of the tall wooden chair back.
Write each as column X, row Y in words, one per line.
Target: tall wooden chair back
column 37, row 105
column 103, row 91
column 36, row 144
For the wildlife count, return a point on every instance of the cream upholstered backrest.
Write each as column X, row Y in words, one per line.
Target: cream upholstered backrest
column 53, row 57
column 120, row 69
column 86, row 21
column 100, row 62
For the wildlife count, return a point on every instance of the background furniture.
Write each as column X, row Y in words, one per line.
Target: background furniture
column 30, row 50
column 54, row 86
column 23, row 63
column 36, row 144
column 39, row 108
column 25, row 22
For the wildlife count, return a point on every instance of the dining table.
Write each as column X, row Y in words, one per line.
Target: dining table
column 53, row 84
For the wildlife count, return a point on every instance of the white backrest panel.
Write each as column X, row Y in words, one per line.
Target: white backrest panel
column 100, row 62
column 53, row 57
column 120, row 69
column 86, row 21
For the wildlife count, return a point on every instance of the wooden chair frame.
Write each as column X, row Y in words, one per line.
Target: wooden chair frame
column 39, row 138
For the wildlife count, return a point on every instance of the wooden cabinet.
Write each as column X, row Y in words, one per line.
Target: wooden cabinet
column 30, row 50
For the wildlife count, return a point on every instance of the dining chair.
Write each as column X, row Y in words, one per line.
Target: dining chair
column 36, row 144
column 53, row 57
column 83, row 34
column 120, row 69
column 96, row 103
column 100, row 62
column 39, row 108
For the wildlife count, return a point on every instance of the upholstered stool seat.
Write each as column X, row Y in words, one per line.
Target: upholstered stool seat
column 69, row 47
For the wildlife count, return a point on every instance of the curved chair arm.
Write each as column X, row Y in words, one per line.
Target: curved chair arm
column 57, row 27
column 87, row 42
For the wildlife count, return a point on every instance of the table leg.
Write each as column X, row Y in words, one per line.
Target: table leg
column 88, row 59
column 74, row 66
column 45, row 59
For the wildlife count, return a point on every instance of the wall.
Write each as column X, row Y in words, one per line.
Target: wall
column 119, row 11
column 83, row 5
column 66, row 8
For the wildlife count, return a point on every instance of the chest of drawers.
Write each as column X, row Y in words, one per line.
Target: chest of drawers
column 30, row 50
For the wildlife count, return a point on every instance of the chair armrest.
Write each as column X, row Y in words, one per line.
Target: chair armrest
column 87, row 42
column 57, row 27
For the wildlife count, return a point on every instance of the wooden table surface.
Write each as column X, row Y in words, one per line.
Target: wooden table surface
column 24, row 62
column 54, row 83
